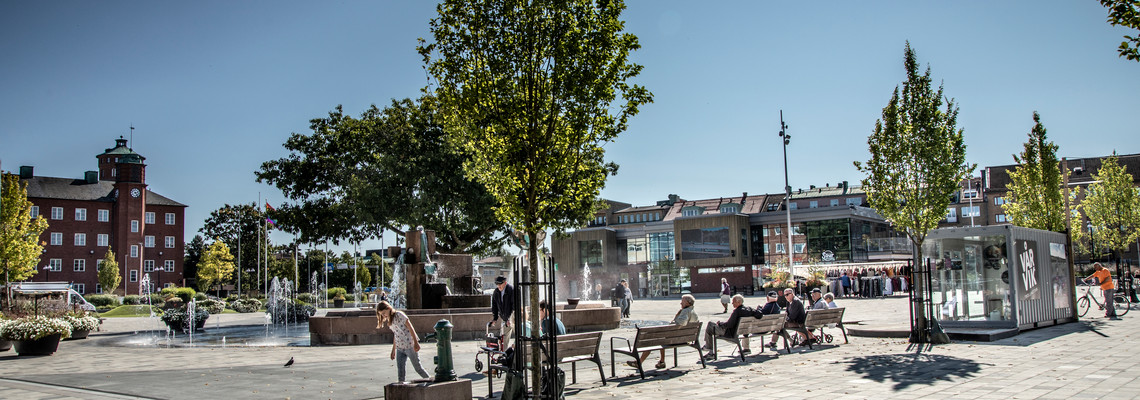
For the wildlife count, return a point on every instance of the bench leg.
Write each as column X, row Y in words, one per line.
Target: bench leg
column 598, row 361
column 844, row 330
column 697, row 347
column 784, row 334
column 675, row 357
column 574, row 372
column 612, row 374
column 740, row 350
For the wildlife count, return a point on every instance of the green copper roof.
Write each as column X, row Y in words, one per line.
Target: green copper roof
column 126, row 155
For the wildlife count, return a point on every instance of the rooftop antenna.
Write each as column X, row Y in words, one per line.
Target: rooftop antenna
column 132, row 143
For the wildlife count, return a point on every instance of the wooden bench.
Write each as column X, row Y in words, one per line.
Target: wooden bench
column 817, row 319
column 658, row 338
column 571, row 349
column 758, row 328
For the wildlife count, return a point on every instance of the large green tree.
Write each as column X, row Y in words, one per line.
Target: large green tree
column 20, row 246
column 217, row 266
column 390, row 169
column 194, row 251
column 1126, row 13
column 532, row 90
column 1112, row 206
column 109, row 274
column 918, row 157
column 1036, row 198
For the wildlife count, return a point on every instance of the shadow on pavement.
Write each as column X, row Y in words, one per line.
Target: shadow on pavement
column 911, row 369
column 1034, row 336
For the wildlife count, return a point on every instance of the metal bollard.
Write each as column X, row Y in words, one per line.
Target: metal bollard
column 444, row 370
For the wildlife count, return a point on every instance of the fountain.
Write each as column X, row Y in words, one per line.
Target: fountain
column 356, row 295
column 313, row 287
column 190, row 320
column 396, row 298
column 585, row 292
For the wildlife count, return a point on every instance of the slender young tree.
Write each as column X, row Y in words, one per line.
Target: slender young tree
column 109, row 274
column 532, row 91
column 20, row 246
column 217, row 266
column 918, row 157
column 1036, row 198
column 1112, row 206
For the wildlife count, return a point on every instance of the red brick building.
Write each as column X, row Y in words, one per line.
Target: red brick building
column 110, row 208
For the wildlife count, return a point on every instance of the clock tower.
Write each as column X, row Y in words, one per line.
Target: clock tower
column 127, row 169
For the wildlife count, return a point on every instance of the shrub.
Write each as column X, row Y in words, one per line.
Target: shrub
column 82, row 323
column 184, row 293
column 200, row 296
column 173, row 302
column 246, row 305
column 156, row 299
column 102, row 300
column 132, row 300
column 288, row 311
column 232, row 298
column 306, row 298
column 32, row 328
column 336, row 292
column 213, row 306
column 177, row 317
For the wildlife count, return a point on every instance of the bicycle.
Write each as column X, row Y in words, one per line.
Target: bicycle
column 1120, row 300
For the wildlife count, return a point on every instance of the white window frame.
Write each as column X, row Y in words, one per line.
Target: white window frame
column 80, row 239
column 793, row 205
column 149, row 217
column 134, row 275
column 134, row 226
column 169, row 242
column 148, row 241
column 57, row 213
column 56, row 238
column 969, row 211
column 834, row 203
column 134, row 251
column 951, row 214
column 969, row 194
column 765, row 248
column 170, row 219
column 79, row 265
column 778, row 229
column 104, row 215
column 799, row 247
column 813, row 204
column 55, row 264
column 854, row 201
column 98, row 288
column 1000, row 218
column 168, row 266
column 80, row 288
column 102, row 240
column 148, row 265
column 80, row 214
column 779, row 248
column 35, row 211
column 167, row 284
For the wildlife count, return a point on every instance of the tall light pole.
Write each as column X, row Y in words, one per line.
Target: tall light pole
column 786, row 138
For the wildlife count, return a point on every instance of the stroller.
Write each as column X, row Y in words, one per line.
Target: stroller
column 494, row 351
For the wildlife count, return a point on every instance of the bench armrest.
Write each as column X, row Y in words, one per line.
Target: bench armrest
column 627, row 343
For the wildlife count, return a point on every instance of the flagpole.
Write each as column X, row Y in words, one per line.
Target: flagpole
column 326, row 293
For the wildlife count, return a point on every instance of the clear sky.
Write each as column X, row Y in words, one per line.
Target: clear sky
column 214, row 88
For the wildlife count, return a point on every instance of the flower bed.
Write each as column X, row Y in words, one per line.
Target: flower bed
column 32, row 328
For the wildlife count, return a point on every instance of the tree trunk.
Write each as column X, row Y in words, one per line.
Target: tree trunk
column 535, row 351
column 921, row 291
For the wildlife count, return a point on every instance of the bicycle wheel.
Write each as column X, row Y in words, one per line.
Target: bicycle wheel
column 1122, row 303
column 1083, row 305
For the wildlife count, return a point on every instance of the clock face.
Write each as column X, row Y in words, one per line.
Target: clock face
column 135, row 192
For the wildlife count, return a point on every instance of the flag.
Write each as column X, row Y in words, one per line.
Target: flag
column 269, row 222
column 269, row 207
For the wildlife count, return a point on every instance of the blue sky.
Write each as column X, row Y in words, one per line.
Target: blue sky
column 213, row 88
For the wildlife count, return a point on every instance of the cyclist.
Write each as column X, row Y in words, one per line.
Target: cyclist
column 1106, row 286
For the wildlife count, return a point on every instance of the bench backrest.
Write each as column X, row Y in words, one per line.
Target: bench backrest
column 770, row 323
column 666, row 335
column 821, row 317
column 578, row 344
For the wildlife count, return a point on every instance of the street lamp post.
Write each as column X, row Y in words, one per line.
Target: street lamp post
column 786, row 138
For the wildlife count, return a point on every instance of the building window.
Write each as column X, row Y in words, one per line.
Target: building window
column 56, row 264
column 79, row 265
column 799, row 247
column 765, row 230
column 170, row 218
column 834, row 202
column 148, row 266
column 765, row 248
column 778, row 231
column 999, row 201
column 134, row 275
column 57, row 213
column 35, row 211
column 149, row 218
column 854, row 201
column 780, row 248
column 80, row 239
column 1001, row 218
column 170, row 242
column 813, row 204
column 148, row 240
column 104, row 215
column 80, row 288
column 728, row 210
column 167, row 284
column 168, row 265
column 80, row 214
column 98, row 288
column 134, row 226
column 793, row 205
column 951, row 214
column 970, row 212
column 970, row 194
column 134, row 250
column 56, row 239
column 101, row 240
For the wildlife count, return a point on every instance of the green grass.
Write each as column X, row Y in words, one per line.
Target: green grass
column 130, row 311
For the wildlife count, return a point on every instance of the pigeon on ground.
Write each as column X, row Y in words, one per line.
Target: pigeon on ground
column 290, row 362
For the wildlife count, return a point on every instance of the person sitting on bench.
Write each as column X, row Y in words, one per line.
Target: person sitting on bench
column 686, row 315
column 728, row 328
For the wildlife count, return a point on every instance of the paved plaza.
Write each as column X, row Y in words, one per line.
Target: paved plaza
column 1094, row 358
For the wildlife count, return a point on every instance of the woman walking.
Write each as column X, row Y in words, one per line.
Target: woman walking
column 405, row 342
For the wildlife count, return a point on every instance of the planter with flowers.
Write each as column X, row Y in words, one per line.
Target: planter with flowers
column 81, row 325
column 35, row 336
column 4, row 344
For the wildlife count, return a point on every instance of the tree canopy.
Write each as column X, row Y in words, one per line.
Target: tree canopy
column 532, row 91
column 390, row 169
column 1125, row 13
column 918, row 157
column 216, row 267
column 109, row 274
column 1036, row 198
column 1112, row 206
column 226, row 224
column 20, row 245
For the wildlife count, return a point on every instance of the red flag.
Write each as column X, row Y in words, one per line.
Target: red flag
column 269, row 207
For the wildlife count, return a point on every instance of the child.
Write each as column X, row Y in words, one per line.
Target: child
column 405, row 343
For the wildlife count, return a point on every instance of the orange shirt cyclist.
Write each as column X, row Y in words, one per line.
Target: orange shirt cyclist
column 1106, row 287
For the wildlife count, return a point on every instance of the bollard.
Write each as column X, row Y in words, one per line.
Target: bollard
column 444, row 370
